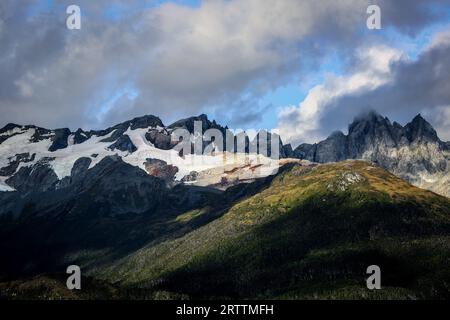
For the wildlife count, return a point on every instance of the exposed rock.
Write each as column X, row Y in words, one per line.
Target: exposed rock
column 37, row 178
column 191, row 177
column 8, row 131
column 115, row 187
column 9, row 127
column 160, row 169
column 80, row 168
column 81, row 136
column 147, row 121
column 189, row 123
column 419, row 130
column 123, row 143
column 59, row 139
column 345, row 180
column 160, row 139
column 413, row 152
column 39, row 134
column 288, row 152
column 78, row 172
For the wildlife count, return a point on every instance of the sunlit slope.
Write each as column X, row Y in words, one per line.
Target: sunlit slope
column 310, row 234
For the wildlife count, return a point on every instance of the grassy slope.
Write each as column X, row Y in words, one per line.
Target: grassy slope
column 310, row 234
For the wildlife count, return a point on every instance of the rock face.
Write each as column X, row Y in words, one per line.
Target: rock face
column 413, row 152
column 160, row 169
column 160, row 139
column 38, row 178
column 123, row 144
column 60, row 139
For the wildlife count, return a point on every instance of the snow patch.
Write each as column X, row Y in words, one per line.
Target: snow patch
column 62, row 160
column 193, row 162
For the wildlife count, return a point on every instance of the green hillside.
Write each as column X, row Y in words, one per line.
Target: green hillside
column 310, row 233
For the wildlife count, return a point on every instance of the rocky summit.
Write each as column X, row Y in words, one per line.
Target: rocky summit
column 413, row 152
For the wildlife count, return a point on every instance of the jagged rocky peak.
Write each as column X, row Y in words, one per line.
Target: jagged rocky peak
column 337, row 135
column 8, row 130
column 421, row 130
column 80, row 136
column 57, row 136
column 188, row 123
column 375, row 127
column 370, row 116
column 161, row 138
column 9, row 127
column 369, row 130
column 146, row 121
column 370, row 123
column 118, row 137
column 413, row 152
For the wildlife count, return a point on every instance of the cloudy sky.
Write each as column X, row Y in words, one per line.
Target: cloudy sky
column 306, row 67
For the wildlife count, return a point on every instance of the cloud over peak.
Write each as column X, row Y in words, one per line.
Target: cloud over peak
column 384, row 80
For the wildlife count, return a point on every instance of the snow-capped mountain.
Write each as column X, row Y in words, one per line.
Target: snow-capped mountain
column 38, row 159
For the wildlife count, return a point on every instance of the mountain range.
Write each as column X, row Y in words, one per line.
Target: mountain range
column 142, row 223
column 33, row 157
column 413, row 152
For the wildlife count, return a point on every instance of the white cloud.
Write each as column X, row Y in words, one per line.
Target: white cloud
column 302, row 123
column 441, row 120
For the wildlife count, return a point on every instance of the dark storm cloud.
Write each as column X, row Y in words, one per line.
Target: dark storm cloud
column 178, row 60
column 409, row 16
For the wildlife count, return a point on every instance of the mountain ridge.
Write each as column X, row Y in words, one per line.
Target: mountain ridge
column 413, row 152
column 308, row 232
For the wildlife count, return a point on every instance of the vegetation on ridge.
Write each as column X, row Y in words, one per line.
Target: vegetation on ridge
column 310, row 234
